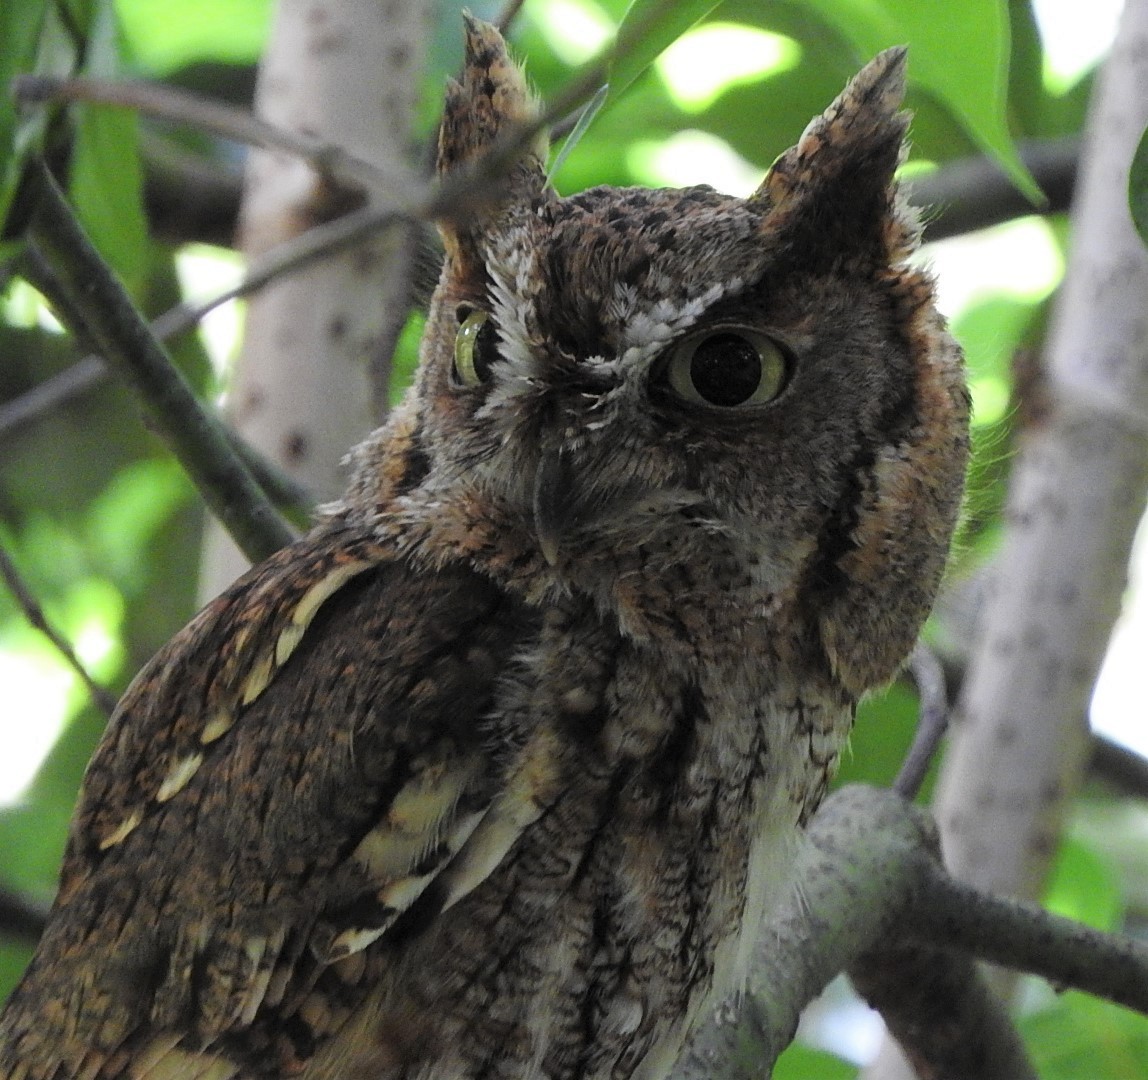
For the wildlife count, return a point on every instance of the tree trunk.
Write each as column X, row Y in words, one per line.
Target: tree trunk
column 348, row 72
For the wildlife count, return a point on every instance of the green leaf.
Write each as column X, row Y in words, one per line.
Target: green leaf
column 647, row 28
column 589, row 111
column 800, row 1062
column 164, row 37
column 1083, row 887
column 106, row 179
column 1138, row 187
column 1079, row 1037
column 967, row 70
column 882, row 735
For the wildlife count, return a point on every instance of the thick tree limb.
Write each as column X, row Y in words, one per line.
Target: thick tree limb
column 872, row 897
column 1076, row 496
column 974, row 193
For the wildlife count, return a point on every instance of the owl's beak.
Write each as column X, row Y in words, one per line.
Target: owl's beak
column 552, row 503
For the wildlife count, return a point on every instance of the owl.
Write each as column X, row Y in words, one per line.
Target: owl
column 497, row 771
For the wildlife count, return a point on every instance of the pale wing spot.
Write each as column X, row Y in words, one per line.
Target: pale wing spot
column 414, row 823
column 121, row 831
column 258, row 679
column 178, row 776
column 529, row 789
column 152, row 1054
column 384, row 853
column 310, row 603
column 218, row 726
column 353, row 941
column 420, row 807
column 190, row 1065
column 404, row 892
column 263, row 954
column 219, row 1069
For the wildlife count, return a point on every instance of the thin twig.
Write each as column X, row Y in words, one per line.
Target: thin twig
column 82, row 376
column 932, row 720
column 507, row 15
column 226, row 121
column 95, row 305
column 34, row 613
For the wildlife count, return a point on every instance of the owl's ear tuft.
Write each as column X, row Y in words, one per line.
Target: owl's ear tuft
column 489, row 98
column 835, row 189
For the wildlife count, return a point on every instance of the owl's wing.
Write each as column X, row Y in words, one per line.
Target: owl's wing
column 278, row 786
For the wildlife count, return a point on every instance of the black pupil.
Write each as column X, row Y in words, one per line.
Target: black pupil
column 726, row 369
column 485, row 350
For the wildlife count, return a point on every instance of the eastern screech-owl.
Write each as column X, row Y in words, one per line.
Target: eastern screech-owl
column 495, row 772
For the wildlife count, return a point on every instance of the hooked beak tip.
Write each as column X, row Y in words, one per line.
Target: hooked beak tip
column 550, row 509
column 549, row 546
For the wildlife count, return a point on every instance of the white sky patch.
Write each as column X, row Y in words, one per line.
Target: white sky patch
column 1075, row 36
column 692, row 157
column 40, row 690
column 1020, row 258
column 1118, row 701
column 575, row 29
column 204, row 271
column 703, row 63
column 34, row 710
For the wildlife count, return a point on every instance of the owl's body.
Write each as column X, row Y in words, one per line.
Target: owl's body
column 495, row 773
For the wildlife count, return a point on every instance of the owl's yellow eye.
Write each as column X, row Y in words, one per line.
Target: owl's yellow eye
column 475, row 349
column 727, row 367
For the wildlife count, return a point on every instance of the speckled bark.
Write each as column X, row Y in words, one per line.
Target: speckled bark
column 348, row 73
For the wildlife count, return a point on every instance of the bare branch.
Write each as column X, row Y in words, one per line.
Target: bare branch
column 871, row 896
column 974, row 193
column 931, row 724
column 507, row 15
column 34, row 613
column 96, row 305
column 226, row 121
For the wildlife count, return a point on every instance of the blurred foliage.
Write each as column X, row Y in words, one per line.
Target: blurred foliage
column 105, row 528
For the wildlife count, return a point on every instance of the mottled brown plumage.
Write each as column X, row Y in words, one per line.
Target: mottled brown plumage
column 496, row 771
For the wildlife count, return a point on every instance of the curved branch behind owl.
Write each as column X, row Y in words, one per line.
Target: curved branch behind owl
column 496, row 772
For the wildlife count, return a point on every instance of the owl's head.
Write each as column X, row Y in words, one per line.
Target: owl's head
column 676, row 397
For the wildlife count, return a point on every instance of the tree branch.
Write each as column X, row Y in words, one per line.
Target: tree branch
column 870, row 896
column 942, row 1014
column 974, row 193
column 96, row 305
column 226, row 121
